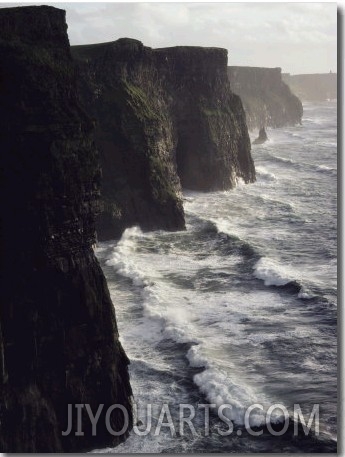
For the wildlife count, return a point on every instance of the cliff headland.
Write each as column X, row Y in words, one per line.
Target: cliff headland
column 267, row 100
column 165, row 119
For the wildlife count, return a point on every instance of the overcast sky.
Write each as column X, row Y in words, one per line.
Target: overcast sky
column 298, row 37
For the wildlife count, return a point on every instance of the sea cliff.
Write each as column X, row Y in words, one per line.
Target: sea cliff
column 166, row 119
column 58, row 335
column 313, row 87
column 114, row 130
column 121, row 88
column 267, row 100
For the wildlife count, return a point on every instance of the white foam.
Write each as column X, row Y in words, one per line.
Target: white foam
column 272, row 273
column 305, row 294
column 195, row 358
column 99, row 249
column 135, row 444
column 265, row 175
column 219, row 389
column 239, row 181
column 284, row 160
column 159, row 300
column 325, row 168
column 314, row 365
column 184, row 315
column 121, row 259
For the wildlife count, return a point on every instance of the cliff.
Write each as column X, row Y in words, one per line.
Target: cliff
column 165, row 118
column 58, row 336
column 313, row 87
column 267, row 100
column 134, row 133
column 213, row 146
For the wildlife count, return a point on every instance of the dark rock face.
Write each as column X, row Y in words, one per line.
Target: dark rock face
column 313, row 87
column 58, row 335
column 213, row 146
column 121, row 87
column 267, row 100
column 164, row 117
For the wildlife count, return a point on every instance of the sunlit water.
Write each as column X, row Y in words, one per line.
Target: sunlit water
column 241, row 308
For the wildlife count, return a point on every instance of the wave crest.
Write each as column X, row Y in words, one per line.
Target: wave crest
column 265, row 175
column 272, row 273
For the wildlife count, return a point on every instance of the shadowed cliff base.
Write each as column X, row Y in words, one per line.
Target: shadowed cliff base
column 267, row 100
column 165, row 118
column 58, row 336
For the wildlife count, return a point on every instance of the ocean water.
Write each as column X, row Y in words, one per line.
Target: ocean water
column 241, row 308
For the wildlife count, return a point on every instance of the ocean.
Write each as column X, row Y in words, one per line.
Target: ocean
column 241, row 308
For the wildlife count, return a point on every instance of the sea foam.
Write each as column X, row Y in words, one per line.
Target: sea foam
column 265, row 175
column 220, row 390
column 272, row 273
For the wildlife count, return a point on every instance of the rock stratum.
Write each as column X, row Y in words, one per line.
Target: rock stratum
column 165, row 119
column 267, row 100
column 58, row 335
column 313, row 87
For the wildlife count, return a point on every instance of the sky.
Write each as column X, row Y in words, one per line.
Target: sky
column 298, row 37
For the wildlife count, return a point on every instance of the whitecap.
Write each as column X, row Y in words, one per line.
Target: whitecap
column 121, row 259
column 265, row 175
column 325, row 168
column 195, row 358
column 272, row 273
column 304, row 294
column 220, row 389
column 284, row 160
